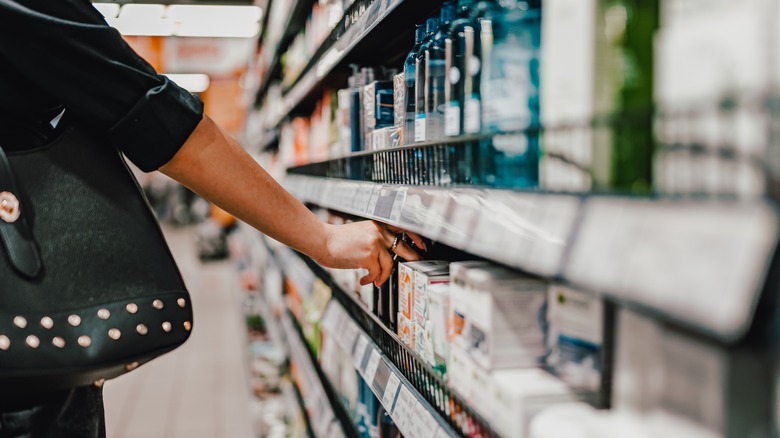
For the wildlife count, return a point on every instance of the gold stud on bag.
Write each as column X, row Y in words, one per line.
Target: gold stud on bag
column 88, row 295
column 9, row 207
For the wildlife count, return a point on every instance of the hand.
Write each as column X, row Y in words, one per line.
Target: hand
column 366, row 245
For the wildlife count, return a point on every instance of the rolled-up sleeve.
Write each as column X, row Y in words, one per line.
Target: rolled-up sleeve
column 66, row 50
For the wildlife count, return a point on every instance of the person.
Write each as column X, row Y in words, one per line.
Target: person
column 61, row 64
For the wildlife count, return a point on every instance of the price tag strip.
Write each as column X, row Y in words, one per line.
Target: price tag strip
column 409, row 411
column 702, row 264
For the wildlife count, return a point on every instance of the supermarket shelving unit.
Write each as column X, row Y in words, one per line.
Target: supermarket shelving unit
column 662, row 256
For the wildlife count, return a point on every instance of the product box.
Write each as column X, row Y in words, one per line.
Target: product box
column 518, row 395
column 378, row 110
column 423, row 342
column 426, row 273
column 407, row 285
column 577, row 323
column 460, row 300
column 399, row 100
column 506, row 323
column 460, row 371
column 405, row 289
column 405, row 330
column 438, row 314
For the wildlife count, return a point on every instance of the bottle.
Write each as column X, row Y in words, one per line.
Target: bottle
column 436, row 75
column 462, row 32
column 409, row 78
column 510, row 81
column 510, row 94
column 431, row 25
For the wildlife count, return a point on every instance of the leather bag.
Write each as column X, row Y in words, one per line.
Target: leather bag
column 88, row 287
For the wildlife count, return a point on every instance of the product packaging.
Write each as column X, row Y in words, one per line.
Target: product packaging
column 577, row 324
column 507, row 318
column 427, row 273
column 518, row 395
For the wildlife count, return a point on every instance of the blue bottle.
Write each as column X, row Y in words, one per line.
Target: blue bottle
column 510, row 78
column 431, row 26
column 510, row 96
column 410, row 78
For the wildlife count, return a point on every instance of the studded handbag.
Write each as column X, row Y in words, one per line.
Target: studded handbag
column 88, row 287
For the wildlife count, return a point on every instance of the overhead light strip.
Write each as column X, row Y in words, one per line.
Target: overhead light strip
column 183, row 20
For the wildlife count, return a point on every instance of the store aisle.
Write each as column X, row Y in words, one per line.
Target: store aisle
column 199, row 390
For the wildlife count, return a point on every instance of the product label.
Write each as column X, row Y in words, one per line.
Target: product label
column 419, row 128
column 472, row 116
column 507, row 93
column 452, row 119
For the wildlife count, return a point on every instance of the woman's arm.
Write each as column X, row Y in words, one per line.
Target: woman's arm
column 214, row 165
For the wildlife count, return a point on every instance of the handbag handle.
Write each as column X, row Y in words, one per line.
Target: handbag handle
column 17, row 238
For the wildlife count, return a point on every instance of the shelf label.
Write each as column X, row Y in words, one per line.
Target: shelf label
column 373, row 365
column 372, row 200
column 398, row 205
column 391, row 393
column 673, row 256
column 360, row 350
column 460, row 220
column 385, row 202
column 362, row 198
column 330, row 319
column 404, row 410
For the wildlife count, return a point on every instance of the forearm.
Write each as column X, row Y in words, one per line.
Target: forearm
column 214, row 165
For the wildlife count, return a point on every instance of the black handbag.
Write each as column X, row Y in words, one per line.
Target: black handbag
column 88, row 287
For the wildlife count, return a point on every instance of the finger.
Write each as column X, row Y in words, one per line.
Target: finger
column 373, row 272
column 406, row 252
column 416, row 238
column 386, row 264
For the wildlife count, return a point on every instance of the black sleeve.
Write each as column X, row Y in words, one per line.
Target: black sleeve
column 66, row 49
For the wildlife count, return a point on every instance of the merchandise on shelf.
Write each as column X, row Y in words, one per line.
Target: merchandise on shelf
column 420, row 82
column 711, row 89
column 410, row 78
column 577, row 324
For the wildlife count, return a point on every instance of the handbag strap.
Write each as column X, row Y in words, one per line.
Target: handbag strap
column 15, row 234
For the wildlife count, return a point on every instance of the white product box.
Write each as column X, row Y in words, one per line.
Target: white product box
column 506, row 323
column 460, row 369
column 438, row 314
column 405, row 330
column 426, row 273
column 518, row 395
column 460, row 300
column 575, row 336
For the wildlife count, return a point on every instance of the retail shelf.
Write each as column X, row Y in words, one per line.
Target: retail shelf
column 442, row 403
column 411, row 412
column 295, row 14
column 327, row 415
column 383, row 25
column 667, row 256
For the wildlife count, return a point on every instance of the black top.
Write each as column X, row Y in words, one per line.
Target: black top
column 56, row 53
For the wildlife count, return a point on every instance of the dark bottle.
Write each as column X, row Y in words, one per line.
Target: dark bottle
column 431, row 25
column 436, row 75
column 410, row 78
column 462, row 33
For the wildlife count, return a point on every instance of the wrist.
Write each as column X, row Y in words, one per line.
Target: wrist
column 321, row 251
